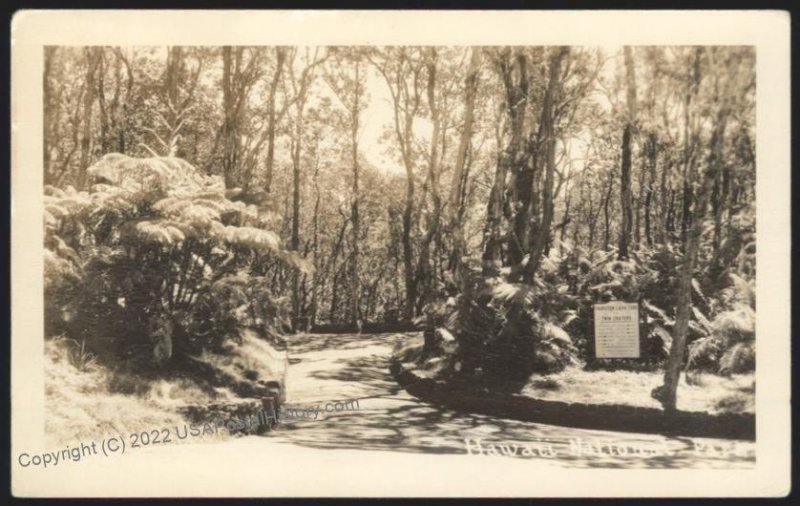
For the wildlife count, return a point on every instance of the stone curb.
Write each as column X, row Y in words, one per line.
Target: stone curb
column 611, row 417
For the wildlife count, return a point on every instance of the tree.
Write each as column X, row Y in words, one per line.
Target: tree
column 300, row 84
column 423, row 275
column 490, row 258
column 528, row 158
column 723, row 93
column 455, row 200
column 625, row 188
column 402, row 71
column 163, row 275
column 52, row 110
column 541, row 228
column 93, row 56
column 177, row 96
column 273, row 118
column 350, row 92
column 241, row 69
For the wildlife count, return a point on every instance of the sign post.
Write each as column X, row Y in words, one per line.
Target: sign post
column 616, row 330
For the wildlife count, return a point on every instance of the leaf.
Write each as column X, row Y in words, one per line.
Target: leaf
column 161, row 231
column 568, row 317
column 659, row 314
column 65, row 251
column 556, row 333
column 605, row 286
column 252, row 237
column 701, row 319
column 704, row 349
column 696, row 288
column 737, row 359
column 295, row 261
column 666, row 337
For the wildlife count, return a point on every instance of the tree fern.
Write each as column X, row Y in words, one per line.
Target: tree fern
column 163, row 249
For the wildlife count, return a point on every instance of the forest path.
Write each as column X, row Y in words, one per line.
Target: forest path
column 337, row 367
column 393, row 445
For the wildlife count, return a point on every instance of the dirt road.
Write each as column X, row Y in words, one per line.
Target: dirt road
column 349, row 366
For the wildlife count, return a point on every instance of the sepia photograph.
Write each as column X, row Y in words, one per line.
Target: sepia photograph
column 489, row 258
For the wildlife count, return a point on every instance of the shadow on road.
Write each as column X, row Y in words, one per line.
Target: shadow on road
column 392, row 420
column 310, row 343
column 369, row 371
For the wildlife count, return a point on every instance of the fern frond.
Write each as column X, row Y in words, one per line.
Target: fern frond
column 736, row 325
column 704, row 350
column 161, row 231
column 701, row 319
column 737, row 359
column 255, row 238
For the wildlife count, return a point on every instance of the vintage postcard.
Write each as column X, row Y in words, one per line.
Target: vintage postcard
column 400, row 253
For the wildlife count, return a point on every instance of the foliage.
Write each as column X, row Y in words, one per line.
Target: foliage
column 730, row 345
column 556, row 313
column 500, row 330
column 155, row 259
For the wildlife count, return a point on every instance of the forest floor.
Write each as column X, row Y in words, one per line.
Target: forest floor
column 712, row 393
column 708, row 393
column 95, row 400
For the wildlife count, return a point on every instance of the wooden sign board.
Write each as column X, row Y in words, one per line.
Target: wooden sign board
column 616, row 330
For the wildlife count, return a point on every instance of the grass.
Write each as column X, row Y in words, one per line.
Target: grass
column 80, row 406
column 708, row 393
column 711, row 394
column 84, row 401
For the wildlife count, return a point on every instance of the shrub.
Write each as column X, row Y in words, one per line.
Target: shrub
column 729, row 348
column 499, row 331
column 156, row 260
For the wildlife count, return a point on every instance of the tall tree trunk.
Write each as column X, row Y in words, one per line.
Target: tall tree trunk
column 334, row 297
column 720, row 200
column 686, row 210
column 280, row 58
column 301, row 87
column 405, row 101
column 518, row 157
column 408, row 266
column 92, row 55
column 670, row 226
column 625, row 189
column 126, row 105
column 563, row 232
column 459, row 181
column 606, row 217
column 354, row 117
column 625, row 193
column 172, row 79
column 101, row 102
column 667, row 393
column 228, row 134
column 666, row 197
column 295, row 239
column 50, row 108
column 494, row 212
column 424, row 269
column 652, row 158
column 315, row 287
column 689, row 135
column 540, row 233
column 408, row 213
